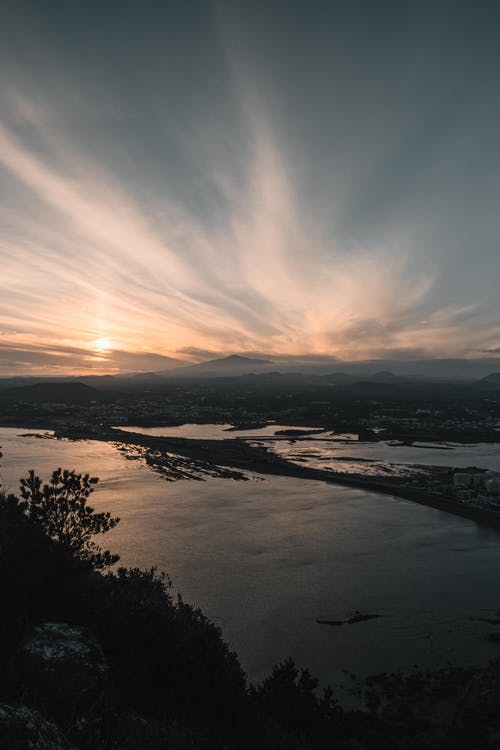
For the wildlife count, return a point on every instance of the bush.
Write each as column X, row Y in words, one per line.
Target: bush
column 61, row 510
column 289, row 696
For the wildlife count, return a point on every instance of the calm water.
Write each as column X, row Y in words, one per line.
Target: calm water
column 335, row 455
column 264, row 559
column 211, row 431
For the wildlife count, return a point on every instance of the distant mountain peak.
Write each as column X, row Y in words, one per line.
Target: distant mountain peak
column 233, row 364
column 493, row 379
column 239, row 359
column 385, row 376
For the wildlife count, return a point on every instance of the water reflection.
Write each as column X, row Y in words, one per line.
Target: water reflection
column 337, row 454
column 267, row 559
column 223, row 431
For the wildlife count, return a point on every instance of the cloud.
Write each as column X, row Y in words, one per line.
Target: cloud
column 61, row 359
column 260, row 279
column 204, row 225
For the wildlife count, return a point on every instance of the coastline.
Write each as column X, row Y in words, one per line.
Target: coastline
column 238, row 454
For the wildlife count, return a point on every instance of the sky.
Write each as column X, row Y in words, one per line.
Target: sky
column 185, row 180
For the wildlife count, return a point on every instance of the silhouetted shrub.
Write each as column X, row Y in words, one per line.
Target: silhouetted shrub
column 61, row 510
column 290, row 697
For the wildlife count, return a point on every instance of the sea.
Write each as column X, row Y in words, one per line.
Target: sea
column 265, row 559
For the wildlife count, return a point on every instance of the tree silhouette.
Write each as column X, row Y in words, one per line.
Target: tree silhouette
column 60, row 508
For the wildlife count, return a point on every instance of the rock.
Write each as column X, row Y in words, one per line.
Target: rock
column 23, row 728
column 62, row 668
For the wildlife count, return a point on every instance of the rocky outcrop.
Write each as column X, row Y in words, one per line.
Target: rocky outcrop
column 62, row 669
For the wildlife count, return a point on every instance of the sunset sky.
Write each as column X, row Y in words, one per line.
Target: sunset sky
column 193, row 179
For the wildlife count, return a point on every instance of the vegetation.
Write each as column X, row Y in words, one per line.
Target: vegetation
column 157, row 673
column 61, row 510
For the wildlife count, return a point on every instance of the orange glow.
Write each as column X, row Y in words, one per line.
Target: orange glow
column 102, row 345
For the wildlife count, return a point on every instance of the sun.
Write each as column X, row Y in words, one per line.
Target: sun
column 102, row 345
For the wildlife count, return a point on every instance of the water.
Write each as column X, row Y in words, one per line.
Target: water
column 265, row 559
column 344, row 453
column 211, row 431
column 335, row 455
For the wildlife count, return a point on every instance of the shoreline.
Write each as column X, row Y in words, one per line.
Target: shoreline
column 238, row 454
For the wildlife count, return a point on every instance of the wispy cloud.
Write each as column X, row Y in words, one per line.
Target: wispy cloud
column 206, row 240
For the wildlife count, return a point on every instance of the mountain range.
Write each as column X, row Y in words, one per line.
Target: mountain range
column 483, row 371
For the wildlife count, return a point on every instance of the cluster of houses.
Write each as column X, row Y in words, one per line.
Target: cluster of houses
column 477, row 487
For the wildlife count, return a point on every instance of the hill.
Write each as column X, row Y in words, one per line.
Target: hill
column 490, row 382
column 222, row 367
column 384, row 376
column 62, row 393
